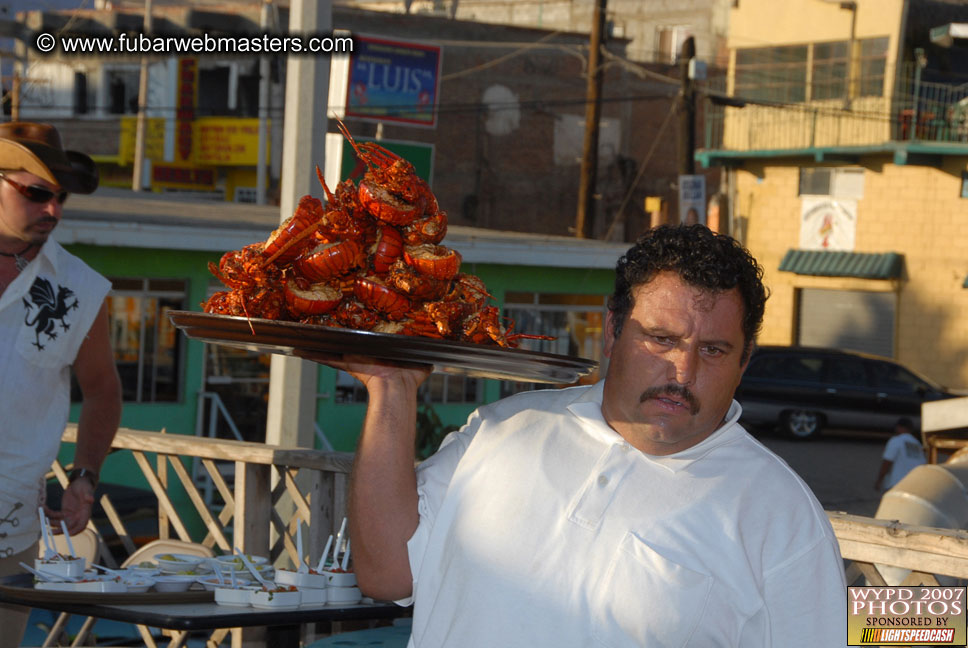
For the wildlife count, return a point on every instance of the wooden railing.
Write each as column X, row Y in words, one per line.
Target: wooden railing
column 275, row 488
column 870, row 544
column 258, row 510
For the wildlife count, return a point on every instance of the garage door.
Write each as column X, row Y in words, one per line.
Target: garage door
column 847, row 319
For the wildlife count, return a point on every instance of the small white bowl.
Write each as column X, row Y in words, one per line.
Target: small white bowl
column 170, row 563
column 238, row 596
column 173, row 582
column 301, row 580
column 344, row 595
column 313, row 596
column 273, row 600
column 138, row 584
column 70, row 567
column 340, row 578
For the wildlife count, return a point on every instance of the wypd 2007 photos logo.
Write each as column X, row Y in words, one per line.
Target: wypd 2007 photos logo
column 909, row 616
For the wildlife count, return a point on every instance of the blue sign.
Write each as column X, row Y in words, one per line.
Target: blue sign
column 393, row 81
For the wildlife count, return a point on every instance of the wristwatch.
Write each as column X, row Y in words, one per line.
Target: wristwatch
column 83, row 473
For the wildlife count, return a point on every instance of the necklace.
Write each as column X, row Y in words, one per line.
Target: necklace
column 19, row 259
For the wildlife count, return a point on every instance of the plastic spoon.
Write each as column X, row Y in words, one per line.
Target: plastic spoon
column 67, row 536
column 112, row 572
column 49, row 553
column 47, row 576
column 346, row 557
column 255, row 572
column 322, row 557
column 339, row 540
column 303, row 567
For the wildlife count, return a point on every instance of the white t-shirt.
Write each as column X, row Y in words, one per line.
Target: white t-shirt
column 906, row 453
column 540, row 526
column 45, row 314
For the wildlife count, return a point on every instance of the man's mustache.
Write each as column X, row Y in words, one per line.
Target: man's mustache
column 672, row 389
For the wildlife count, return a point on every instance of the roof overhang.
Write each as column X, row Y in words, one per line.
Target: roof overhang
column 111, row 217
column 915, row 152
column 823, row 263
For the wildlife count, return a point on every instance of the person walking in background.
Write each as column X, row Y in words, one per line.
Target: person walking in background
column 53, row 318
column 902, row 454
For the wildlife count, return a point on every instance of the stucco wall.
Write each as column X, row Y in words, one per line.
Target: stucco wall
column 912, row 210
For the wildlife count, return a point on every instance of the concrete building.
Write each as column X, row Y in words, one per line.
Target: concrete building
column 849, row 174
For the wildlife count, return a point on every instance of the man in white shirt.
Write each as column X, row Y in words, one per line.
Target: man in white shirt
column 53, row 319
column 635, row 512
column 902, row 454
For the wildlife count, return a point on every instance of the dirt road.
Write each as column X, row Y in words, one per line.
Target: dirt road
column 840, row 469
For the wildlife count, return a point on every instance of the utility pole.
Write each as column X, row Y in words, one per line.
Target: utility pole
column 585, row 220
column 687, row 111
column 141, row 126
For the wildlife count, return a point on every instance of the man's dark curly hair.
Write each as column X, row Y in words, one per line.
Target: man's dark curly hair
column 702, row 258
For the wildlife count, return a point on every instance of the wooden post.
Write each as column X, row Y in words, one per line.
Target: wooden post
column 585, row 220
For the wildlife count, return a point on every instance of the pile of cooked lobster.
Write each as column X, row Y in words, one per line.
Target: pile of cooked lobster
column 368, row 259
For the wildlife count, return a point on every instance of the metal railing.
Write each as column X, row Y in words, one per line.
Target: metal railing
column 941, row 115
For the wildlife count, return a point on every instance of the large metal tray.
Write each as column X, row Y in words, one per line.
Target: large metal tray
column 446, row 356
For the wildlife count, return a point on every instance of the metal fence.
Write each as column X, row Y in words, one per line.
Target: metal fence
column 940, row 114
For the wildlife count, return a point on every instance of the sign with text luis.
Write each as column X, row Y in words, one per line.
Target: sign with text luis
column 393, row 81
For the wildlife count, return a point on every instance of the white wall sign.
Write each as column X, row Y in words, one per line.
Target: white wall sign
column 692, row 199
column 827, row 224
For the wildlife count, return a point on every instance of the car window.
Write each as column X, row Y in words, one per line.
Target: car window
column 801, row 368
column 896, row 378
column 847, row 371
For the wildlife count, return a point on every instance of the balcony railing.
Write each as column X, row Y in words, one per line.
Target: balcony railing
column 940, row 115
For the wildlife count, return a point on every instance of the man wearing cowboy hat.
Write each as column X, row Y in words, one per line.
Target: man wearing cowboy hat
column 53, row 318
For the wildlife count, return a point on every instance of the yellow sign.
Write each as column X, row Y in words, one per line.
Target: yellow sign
column 224, row 141
column 154, row 139
column 653, row 204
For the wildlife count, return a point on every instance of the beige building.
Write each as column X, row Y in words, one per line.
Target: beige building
column 849, row 174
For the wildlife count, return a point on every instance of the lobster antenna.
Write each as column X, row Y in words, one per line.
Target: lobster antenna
column 330, row 198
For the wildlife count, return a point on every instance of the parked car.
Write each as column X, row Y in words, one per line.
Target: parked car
column 806, row 389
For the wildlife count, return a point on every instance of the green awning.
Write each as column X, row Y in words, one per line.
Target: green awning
column 820, row 263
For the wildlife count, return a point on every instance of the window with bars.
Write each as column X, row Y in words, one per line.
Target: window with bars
column 779, row 74
column 873, row 63
column 829, row 70
column 772, row 73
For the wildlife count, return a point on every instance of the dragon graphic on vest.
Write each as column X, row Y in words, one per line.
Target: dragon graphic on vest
column 51, row 307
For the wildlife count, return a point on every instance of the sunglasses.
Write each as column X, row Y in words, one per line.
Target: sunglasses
column 36, row 193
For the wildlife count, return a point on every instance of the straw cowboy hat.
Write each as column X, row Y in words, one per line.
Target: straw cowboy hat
column 37, row 149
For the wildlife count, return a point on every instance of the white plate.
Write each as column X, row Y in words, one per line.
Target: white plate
column 211, row 583
column 103, row 587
